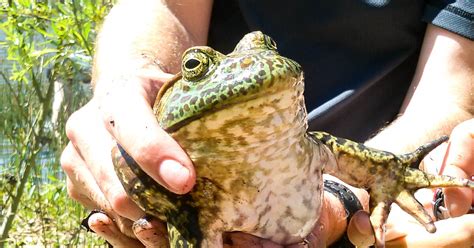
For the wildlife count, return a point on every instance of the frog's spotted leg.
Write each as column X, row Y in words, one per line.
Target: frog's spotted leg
column 157, row 201
column 389, row 178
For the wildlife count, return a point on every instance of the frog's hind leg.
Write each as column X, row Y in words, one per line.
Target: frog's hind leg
column 415, row 179
column 390, row 178
column 412, row 180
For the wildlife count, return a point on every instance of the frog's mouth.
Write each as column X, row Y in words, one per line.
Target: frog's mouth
column 218, row 108
column 267, row 96
column 243, row 109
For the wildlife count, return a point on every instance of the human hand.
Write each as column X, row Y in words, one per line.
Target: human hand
column 121, row 113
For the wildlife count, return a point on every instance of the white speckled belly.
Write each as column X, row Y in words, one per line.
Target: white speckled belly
column 270, row 180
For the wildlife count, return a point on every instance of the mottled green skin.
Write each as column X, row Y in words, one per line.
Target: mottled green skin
column 241, row 119
column 250, row 71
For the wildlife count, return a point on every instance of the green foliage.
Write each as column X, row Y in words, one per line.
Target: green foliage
column 49, row 47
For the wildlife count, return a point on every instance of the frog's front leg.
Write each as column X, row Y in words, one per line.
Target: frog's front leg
column 389, row 178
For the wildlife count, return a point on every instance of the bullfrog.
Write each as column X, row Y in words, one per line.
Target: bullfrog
column 241, row 118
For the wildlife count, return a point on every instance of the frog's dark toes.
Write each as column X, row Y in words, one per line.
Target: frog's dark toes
column 406, row 201
column 400, row 187
column 414, row 158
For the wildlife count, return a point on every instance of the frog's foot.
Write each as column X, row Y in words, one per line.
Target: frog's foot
column 389, row 178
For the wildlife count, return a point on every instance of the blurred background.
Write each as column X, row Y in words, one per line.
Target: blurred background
column 46, row 50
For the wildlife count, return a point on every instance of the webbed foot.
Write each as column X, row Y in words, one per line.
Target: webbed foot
column 389, row 178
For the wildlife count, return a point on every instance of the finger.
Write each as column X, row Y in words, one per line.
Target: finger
column 93, row 143
column 78, row 195
column 105, row 227
column 149, row 79
column 461, row 151
column 453, row 232
column 360, row 231
column 241, row 240
column 80, row 183
column 460, row 163
column 151, row 232
column 83, row 188
column 457, row 200
column 152, row 80
column 129, row 118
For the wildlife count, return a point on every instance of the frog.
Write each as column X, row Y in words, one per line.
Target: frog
column 242, row 120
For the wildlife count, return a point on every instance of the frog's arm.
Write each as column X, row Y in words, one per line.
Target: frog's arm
column 156, row 200
column 389, row 178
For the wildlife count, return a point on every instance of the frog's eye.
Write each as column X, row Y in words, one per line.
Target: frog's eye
column 195, row 65
column 192, row 64
column 270, row 43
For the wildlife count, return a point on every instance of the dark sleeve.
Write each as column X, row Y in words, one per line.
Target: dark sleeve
column 455, row 16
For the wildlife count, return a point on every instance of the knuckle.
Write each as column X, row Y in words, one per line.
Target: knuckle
column 125, row 226
column 67, row 160
column 71, row 124
column 142, row 154
column 72, row 191
column 466, row 126
column 108, row 119
column 120, row 202
column 152, row 151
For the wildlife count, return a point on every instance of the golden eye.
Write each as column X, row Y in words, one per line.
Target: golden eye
column 270, row 43
column 195, row 64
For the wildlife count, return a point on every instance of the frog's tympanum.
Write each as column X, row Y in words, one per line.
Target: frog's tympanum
column 241, row 118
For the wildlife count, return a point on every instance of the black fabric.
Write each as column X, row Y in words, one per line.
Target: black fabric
column 359, row 56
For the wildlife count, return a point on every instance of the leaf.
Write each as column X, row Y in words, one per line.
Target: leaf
column 43, row 37
column 86, row 30
column 39, row 53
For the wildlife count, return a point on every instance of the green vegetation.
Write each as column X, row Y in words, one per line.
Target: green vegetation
column 46, row 50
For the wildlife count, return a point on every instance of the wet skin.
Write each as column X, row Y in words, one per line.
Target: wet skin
column 241, row 119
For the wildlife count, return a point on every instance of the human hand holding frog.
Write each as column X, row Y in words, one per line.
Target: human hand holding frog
column 458, row 155
column 108, row 195
column 93, row 131
column 90, row 172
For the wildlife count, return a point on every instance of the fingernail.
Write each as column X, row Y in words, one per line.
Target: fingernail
column 175, row 175
column 362, row 222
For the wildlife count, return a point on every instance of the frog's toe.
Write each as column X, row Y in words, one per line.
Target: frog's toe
column 406, row 201
column 417, row 179
column 378, row 218
column 414, row 158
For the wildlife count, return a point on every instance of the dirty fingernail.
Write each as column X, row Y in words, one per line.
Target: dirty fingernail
column 175, row 175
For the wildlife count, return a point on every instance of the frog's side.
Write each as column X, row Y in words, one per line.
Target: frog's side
column 241, row 119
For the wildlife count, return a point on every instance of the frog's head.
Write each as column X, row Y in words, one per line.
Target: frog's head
column 211, row 81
